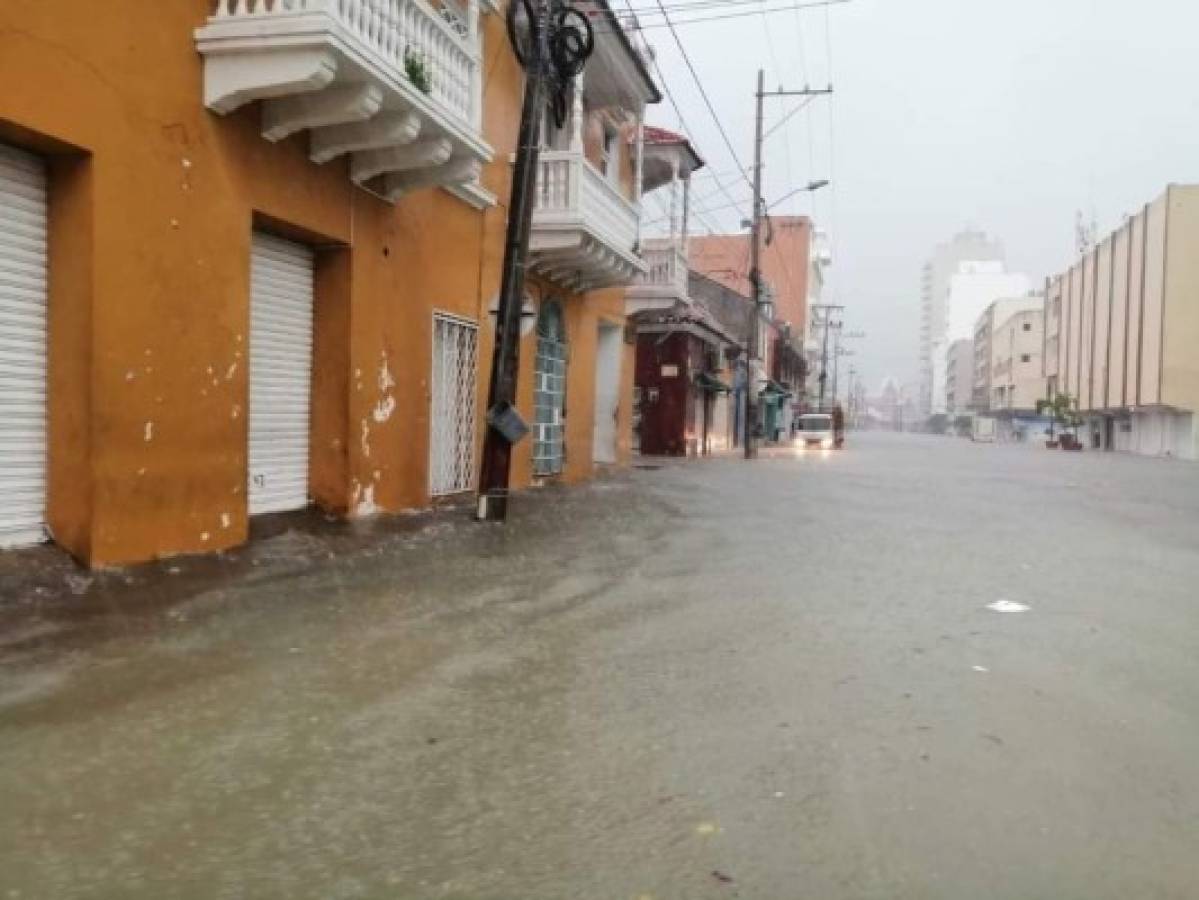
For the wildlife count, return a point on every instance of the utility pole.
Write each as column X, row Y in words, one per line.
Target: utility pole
column 839, row 351
column 825, row 311
column 755, row 234
column 570, row 35
column 755, row 277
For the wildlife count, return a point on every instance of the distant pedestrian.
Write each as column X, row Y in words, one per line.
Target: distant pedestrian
column 838, row 425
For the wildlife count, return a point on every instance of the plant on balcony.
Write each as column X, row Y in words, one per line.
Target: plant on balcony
column 417, row 70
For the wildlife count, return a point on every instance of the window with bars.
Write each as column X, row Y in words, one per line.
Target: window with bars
column 452, row 413
column 549, row 391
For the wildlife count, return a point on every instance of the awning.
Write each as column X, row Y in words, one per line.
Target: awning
column 773, row 387
column 706, row 382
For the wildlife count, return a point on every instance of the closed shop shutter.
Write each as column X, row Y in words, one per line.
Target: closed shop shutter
column 22, row 348
column 280, row 374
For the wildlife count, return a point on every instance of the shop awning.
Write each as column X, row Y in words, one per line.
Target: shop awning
column 773, row 387
column 706, row 382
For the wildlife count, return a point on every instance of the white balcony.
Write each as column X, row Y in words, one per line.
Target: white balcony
column 664, row 283
column 584, row 230
column 394, row 83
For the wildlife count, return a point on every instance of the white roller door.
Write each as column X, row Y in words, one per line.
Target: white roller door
column 22, row 348
column 280, row 374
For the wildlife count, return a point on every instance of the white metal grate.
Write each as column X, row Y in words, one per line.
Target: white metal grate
column 452, row 416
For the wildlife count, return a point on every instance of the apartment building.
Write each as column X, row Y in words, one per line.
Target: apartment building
column 933, row 340
column 250, row 253
column 959, row 377
column 1017, row 381
column 1122, row 327
column 989, row 345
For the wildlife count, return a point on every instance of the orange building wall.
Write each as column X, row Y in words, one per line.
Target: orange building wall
column 154, row 200
column 153, row 203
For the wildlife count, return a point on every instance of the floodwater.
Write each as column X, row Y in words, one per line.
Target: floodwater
column 716, row 679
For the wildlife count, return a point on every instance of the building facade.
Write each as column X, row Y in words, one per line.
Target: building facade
column 988, row 345
column 1122, row 325
column 934, row 291
column 254, row 266
column 1017, row 382
column 959, row 377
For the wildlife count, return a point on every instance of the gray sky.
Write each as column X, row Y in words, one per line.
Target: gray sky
column 1006, row 116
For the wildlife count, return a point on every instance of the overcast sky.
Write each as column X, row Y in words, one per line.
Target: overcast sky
column 1007, row 116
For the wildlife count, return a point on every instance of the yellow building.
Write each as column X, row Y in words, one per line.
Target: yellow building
column 249, row 254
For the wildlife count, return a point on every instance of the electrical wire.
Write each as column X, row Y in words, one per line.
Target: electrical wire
column 700, row 214
column 703, row 93
column 637, row 26
column 717, row 5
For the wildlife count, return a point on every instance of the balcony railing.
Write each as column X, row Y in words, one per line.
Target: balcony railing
column 396, row 83
column 584, row 230
column 665, row 280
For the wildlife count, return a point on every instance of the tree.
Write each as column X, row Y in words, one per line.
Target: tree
column 1062, row 410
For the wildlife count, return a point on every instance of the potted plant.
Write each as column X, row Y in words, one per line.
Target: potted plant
column 417, row 70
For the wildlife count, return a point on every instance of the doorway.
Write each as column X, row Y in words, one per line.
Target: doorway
column 609, row 340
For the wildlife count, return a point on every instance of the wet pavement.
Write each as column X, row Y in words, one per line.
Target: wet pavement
column 716, row 679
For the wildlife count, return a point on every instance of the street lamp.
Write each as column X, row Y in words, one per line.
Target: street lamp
column 810, row 187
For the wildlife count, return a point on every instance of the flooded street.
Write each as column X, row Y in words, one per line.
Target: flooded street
column 714, row 679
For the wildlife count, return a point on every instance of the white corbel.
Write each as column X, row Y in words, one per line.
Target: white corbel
column 332, row 106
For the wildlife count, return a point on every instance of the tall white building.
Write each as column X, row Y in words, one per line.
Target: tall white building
column 965, row 246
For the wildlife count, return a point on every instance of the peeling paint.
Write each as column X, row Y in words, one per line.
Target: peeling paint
column 386, row 382
column 384, row 408
column 129, row 376
column 236, row 411
column 229, row 372
column 364, row 501
column 377, row 475
column 225, row 520
column 366, row 433
column 204, row 536
column 141, row 471
column 149, row 431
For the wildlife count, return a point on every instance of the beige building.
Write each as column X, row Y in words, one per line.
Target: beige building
column 1017, row 382
column 986, row 328
column 1122, row 331
column 959, row 377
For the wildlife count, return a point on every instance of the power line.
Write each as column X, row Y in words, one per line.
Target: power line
column 703, row 93
column 636, row 26
column 683, row 123
column 783, row 121
column 717, row 5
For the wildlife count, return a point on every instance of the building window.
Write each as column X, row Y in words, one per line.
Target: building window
column 1028, row 326
column 1024, row 357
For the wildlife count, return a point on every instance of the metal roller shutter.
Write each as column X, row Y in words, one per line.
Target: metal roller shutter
column 23, row 248
column 280, row 373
